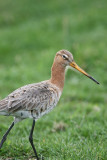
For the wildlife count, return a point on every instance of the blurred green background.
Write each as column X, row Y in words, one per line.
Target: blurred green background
column 31, row 32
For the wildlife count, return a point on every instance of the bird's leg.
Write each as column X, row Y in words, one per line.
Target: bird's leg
column 5, row 135
column 31, row 139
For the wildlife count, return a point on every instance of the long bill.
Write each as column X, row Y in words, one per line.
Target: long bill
column 74, row 65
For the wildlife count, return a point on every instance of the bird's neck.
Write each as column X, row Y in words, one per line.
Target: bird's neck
column 58, row 75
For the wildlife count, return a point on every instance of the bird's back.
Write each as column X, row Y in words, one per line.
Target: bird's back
column 33, row 100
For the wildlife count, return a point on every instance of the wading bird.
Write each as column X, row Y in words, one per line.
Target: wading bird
column 35, row 100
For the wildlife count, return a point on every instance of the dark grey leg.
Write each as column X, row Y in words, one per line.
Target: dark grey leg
column 5, row 136
column 31, row 139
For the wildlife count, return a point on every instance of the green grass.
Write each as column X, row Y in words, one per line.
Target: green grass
column 31, row 32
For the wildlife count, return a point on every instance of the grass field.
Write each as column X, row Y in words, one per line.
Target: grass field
column 31, row 32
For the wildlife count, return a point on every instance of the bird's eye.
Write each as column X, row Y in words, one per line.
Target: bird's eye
column 65, row 56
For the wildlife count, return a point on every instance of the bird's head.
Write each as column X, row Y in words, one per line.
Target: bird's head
column 65, row 58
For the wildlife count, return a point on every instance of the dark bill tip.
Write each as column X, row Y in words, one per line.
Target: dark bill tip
column 94, row 80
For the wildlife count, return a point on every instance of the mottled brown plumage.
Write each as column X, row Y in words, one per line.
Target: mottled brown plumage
column 31, row 101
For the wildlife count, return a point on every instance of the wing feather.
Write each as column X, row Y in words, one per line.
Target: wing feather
column 31, row 99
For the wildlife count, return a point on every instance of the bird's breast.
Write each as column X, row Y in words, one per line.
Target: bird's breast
column 47, row 105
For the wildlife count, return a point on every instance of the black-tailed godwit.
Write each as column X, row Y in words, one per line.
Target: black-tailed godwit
column 36, row 100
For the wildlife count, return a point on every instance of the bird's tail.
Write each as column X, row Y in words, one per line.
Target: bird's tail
column 3, row 105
